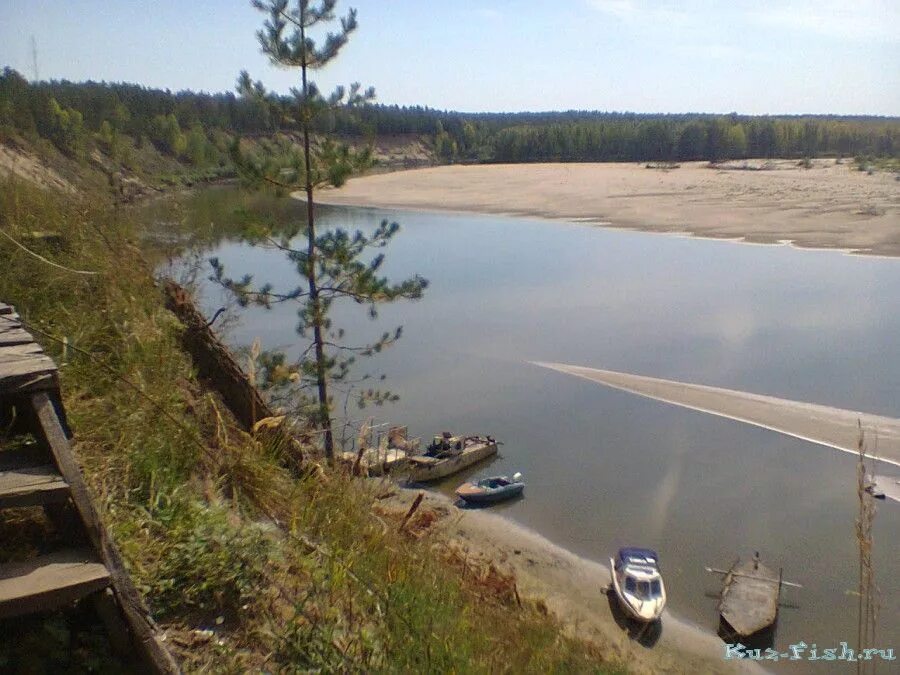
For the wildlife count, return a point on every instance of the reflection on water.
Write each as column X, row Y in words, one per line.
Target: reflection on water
column 605, row 468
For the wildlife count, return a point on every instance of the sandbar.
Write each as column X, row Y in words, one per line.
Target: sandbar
column 830, row 205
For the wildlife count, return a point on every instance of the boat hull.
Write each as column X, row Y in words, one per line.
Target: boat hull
column 491, row 496
column 426, row 469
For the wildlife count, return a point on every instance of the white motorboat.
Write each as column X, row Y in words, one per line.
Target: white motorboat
column 638, row 584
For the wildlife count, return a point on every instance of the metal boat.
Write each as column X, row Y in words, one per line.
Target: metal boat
column 449, row 454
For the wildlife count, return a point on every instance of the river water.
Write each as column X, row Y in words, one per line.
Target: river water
column 605, row 468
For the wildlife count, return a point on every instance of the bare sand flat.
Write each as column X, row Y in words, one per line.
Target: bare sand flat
column 825, row 425
column 827, row 206
column 573, row 588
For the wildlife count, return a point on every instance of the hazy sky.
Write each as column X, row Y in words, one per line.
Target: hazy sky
column 750, row 56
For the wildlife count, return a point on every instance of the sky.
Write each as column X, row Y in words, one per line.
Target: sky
column 746, row 56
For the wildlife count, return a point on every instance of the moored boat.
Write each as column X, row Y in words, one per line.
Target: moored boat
column 448, row 454
column 748, row 606
column 638, row 583
column 491, row 490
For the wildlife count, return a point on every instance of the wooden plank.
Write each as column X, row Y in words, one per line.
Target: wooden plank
column 23, row 365
column 19, row 365
column 9, row 322
column 21, row 372
column 49, row 582
column 23, row 350
column 141, row 624
column 14, row 336
column 50, row 434
column 32, row 486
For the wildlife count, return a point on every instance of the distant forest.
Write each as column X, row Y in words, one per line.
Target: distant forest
column 197, row 127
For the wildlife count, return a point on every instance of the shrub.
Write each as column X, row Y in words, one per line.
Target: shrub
column 208, row 566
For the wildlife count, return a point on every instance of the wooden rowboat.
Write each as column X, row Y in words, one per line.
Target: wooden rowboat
column 749, row 602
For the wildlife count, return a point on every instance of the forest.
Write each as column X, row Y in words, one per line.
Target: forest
column 198, row 128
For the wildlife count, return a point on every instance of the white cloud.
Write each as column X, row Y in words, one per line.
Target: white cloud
column 847, row 19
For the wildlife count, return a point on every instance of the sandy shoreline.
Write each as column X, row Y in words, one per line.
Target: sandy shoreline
column 830, row 206
column 572, row 588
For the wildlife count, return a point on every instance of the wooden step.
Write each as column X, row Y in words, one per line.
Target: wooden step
column 24, row 369
column 32, row 486
column 22, row 350
column 49, row 582
column 145, row 634
column 12, row 332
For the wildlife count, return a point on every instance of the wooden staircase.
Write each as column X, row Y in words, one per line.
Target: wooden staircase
column 87, row 566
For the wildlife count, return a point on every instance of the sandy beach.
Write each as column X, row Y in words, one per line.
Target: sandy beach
column 573, row 588
column 827, row 206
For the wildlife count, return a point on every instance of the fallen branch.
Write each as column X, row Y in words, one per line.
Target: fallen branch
column 412, row 510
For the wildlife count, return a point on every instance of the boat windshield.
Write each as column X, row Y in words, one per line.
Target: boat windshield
column 644, row 590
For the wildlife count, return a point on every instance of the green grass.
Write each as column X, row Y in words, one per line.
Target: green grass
column 248, row 567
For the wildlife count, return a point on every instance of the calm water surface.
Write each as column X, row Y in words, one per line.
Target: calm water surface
column 606, row 468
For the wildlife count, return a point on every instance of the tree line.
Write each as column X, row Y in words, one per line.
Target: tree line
column 596, row 137
column 198, row 127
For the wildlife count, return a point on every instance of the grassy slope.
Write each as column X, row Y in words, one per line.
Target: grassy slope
column 246, row 566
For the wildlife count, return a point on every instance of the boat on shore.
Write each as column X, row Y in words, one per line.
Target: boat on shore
column 638, row 583
column 748, row 607
column 491, row 490
column 449, row 454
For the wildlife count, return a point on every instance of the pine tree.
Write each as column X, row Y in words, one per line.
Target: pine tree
column 335, row 264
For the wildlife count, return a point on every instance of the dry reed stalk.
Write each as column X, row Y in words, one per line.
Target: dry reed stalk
column 868, row 590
